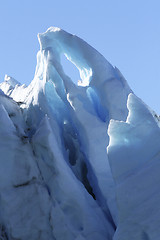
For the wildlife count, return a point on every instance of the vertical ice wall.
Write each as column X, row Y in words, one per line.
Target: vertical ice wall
column 134, row 156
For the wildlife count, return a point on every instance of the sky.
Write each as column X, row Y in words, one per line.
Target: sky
column 125, row 32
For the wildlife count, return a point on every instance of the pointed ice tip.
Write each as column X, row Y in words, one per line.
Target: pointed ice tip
column 50, row 29
column 11, row 80
column 7, row 78
column 53, row 29
column 44, row 38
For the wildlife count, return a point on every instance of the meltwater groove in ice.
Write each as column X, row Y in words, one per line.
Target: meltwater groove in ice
column 56, row 179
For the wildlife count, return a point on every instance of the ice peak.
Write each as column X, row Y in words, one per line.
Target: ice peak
column 54, row 156
column 10, row 80
column 54, row 29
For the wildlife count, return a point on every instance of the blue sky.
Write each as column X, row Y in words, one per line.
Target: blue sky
column 126, row 32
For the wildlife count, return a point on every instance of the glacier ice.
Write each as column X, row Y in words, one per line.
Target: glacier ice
column 134, row 154
column 72, row 153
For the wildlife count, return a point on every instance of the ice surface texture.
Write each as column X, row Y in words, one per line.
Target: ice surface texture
column 56, row 180
column 134, row 155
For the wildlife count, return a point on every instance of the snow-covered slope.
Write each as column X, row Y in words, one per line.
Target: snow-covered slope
column 56, row 179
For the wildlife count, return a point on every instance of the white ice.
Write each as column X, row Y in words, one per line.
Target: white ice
column 134, row 154
column 56, row 181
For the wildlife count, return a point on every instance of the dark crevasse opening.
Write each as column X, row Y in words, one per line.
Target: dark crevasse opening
column 60, row 111
column 76, row 158
column 145, row 236
column 72, row 146
column 3, row 232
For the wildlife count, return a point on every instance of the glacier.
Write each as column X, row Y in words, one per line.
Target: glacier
column 79, row 161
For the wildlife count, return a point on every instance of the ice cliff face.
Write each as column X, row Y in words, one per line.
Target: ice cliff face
column 67, row 171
